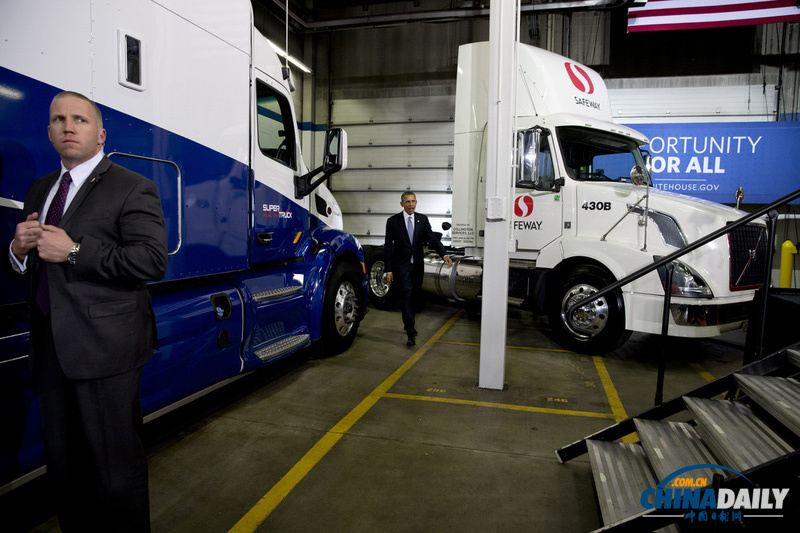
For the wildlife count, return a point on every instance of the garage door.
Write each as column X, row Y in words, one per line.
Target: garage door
column 394, row 145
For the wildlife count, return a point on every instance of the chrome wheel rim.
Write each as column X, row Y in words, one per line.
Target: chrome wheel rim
column 377, row 280
column 587, row 320
column 344, row 309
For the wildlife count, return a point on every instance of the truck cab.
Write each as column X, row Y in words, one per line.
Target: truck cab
column 584, row 213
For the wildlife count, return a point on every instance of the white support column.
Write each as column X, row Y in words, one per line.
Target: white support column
column 503, row 30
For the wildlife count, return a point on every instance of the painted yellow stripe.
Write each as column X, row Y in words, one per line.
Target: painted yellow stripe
column 611, row 393
column 511, row 407
column 282, row 488
column 511, row 347
column 702, row 371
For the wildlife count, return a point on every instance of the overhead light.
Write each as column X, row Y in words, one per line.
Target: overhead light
column 292, row 60
column 10, row 93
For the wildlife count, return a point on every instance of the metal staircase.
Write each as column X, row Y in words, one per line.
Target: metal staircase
column 750, row 442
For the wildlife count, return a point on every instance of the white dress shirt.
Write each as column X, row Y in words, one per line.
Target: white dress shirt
column 79, row 175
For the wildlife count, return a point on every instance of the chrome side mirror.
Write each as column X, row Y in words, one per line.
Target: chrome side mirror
column 638, row 175
column 335, row 158
column 528, row 156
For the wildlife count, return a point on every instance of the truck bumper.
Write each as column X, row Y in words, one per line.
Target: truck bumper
column 643, row 314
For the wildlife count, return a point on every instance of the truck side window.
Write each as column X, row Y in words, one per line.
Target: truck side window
column 547, row 175
column 275, row 126
column 615, row 166
column 130, row 58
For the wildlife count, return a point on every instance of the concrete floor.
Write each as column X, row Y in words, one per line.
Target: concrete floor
column 390, row 438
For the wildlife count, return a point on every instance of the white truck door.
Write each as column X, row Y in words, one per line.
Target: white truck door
column 537, row 209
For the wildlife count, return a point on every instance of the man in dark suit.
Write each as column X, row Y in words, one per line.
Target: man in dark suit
column 405, row 234
column 93, row 234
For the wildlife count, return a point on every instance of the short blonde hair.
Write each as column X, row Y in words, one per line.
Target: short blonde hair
column 98, row 114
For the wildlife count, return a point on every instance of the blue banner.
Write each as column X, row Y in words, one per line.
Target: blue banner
column 710, row 160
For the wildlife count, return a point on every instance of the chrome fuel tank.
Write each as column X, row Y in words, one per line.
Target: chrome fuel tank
column 461, row 282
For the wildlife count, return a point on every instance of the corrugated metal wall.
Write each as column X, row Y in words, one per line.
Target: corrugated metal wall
column 734, row 98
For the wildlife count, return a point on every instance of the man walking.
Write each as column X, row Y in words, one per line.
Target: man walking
column 405, row 234
column 93, row 234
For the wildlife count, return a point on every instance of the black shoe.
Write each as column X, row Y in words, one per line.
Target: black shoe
column 411, row 341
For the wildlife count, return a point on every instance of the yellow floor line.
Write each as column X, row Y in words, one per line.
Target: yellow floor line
column 271, row 499
column 500, row 405
column 612, row 395
column 511, row 347
column 702, row 371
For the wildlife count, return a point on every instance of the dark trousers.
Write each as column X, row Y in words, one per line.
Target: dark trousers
column 410, row 294
column 92, row 431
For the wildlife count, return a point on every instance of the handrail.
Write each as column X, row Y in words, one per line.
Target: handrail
column 681, row 252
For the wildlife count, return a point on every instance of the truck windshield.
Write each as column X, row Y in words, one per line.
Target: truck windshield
column 594, row 155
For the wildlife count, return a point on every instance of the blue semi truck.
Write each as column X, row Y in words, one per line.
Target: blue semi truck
column 194, row 98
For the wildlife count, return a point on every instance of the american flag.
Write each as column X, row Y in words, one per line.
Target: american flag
column 696, row 14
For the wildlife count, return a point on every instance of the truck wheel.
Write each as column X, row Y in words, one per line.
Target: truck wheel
column 340, row 314
column 381, row 294
column 597, row 327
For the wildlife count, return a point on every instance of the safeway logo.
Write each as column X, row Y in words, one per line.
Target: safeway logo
column 523, row 206
column 578, row 76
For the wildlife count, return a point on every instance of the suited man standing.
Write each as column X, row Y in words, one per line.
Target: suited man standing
column 405, row 233
column 93, row 234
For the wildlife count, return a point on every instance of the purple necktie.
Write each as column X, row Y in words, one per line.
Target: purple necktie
column 54, row 214
column 410, row 228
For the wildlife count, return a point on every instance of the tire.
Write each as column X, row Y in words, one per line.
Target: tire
column 381, row 294
column 598, row 328
column 340, row 313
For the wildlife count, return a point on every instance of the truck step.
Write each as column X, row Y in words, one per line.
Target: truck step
column 671, row 446
column 282, row 346
column 281, row 292
column 778, row 396
column 735, row 434
column 621, row 473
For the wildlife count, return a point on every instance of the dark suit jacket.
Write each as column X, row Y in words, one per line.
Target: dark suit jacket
column 398, row 249
column 100, row 308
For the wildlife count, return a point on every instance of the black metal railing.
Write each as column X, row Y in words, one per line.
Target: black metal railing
column 667, row 260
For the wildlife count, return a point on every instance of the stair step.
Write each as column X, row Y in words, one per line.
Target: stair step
column 794, row 357
column 780, row 397
column 671, row 446
column 735, row 434
column 621, row 473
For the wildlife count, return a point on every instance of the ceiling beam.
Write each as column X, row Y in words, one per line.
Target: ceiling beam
column 444, row 15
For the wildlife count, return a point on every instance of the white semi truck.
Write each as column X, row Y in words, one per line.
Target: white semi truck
column 585, row 215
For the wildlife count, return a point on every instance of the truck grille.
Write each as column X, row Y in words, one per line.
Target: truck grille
column 749, row 247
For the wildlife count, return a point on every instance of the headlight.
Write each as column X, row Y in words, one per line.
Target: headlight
column 685, row 281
